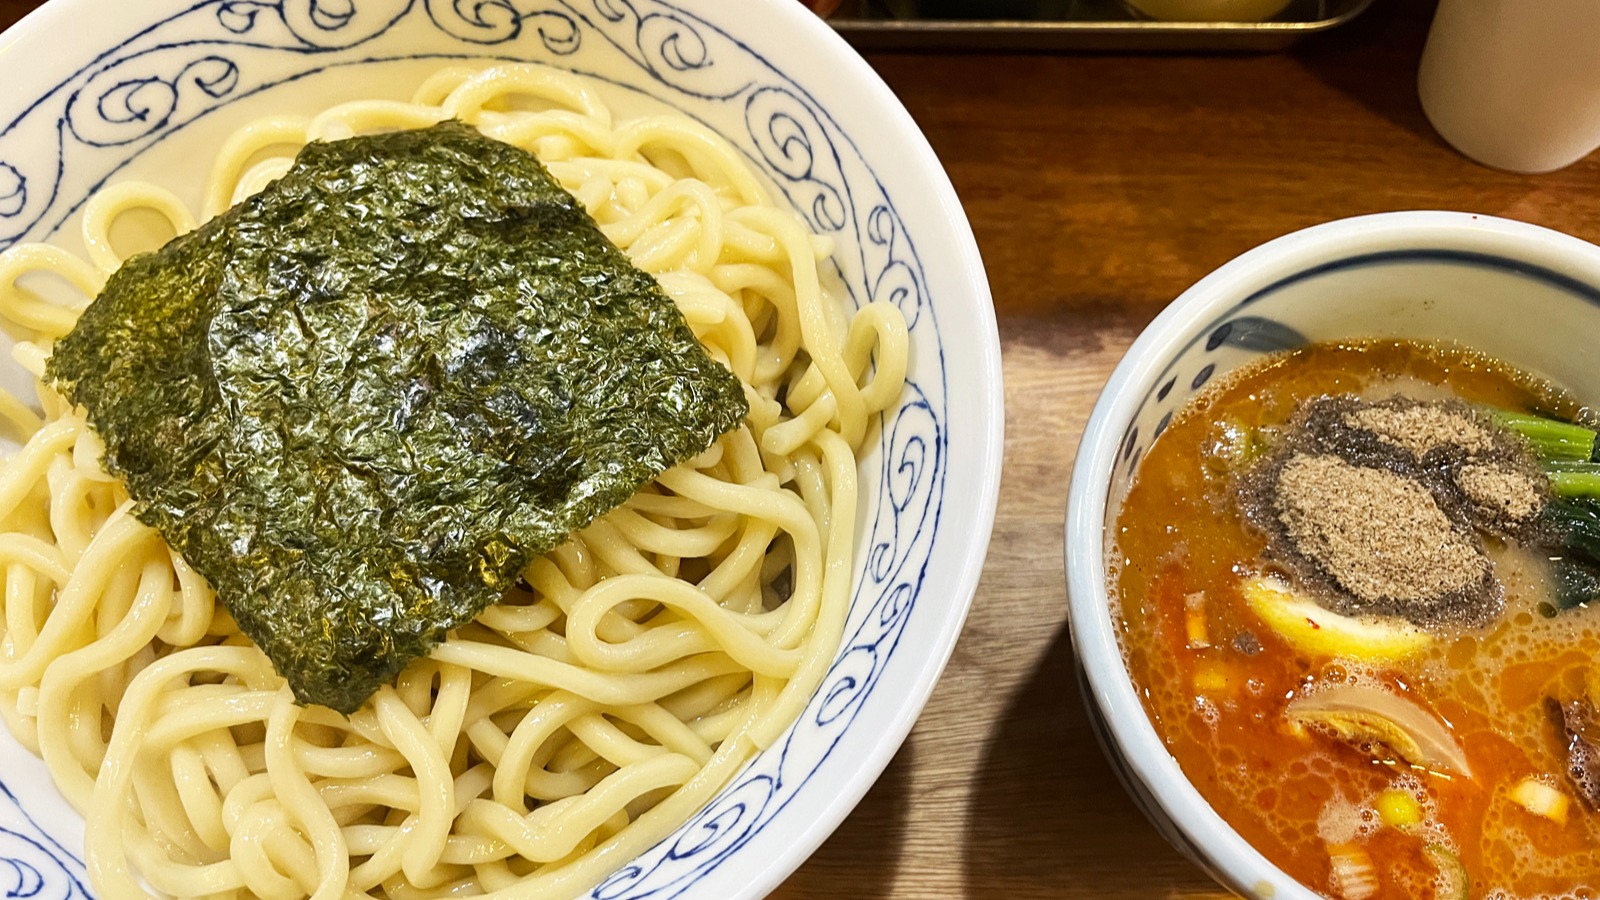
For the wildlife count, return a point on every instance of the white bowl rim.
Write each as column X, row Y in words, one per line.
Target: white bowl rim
column 893, row 733
column 890, row 732
column 1106, row 679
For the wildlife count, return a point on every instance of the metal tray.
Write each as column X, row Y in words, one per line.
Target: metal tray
column 1075, row 25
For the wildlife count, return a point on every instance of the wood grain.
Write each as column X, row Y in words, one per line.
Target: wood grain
column 1100, row 187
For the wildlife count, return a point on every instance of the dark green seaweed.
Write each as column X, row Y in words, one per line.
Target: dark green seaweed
column 359, row 402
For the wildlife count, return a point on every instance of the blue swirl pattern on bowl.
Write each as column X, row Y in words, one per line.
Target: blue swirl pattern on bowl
column 32, row 863
column 181, row 68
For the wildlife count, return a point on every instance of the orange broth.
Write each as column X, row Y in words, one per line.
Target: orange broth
column 1285, row 789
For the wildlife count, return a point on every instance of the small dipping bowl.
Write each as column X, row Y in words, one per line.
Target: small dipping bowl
column 1522, row 294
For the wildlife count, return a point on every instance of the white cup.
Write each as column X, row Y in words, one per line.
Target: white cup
column 1515, row 84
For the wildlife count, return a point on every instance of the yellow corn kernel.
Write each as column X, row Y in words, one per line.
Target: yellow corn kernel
column 1399, row 809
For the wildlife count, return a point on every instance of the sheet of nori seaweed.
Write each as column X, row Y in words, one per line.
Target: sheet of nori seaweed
column 360, row 401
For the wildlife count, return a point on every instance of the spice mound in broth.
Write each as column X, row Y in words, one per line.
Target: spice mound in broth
column 1377, row 506
column 1359, row 586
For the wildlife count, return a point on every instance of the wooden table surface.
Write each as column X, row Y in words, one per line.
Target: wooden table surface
column 1101, row 186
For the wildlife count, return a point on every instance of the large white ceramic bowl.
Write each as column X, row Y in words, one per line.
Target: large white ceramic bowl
column 98, row 90
column 1524, row 294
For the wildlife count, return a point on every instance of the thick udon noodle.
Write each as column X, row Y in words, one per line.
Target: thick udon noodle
column 572, row 725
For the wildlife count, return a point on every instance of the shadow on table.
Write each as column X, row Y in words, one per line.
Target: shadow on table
column 1367, row 62
column 1047, row 810
column 864, row 851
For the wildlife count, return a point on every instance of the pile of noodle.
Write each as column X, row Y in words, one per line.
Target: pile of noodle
column 568, row 728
